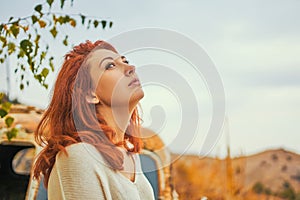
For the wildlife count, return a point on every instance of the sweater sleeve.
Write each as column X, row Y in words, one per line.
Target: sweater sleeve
column 78, row 175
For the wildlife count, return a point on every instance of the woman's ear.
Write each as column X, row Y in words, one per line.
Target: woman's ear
column 92, row 98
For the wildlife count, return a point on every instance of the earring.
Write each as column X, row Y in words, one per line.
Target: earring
column 94, row 99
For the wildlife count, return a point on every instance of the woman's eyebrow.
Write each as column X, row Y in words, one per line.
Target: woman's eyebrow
column 105, row 59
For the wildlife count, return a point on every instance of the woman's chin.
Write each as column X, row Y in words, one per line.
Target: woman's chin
column 137, row 95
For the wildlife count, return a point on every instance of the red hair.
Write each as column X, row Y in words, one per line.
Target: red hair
column 69, row 119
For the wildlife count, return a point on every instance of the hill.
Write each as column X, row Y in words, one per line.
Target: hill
column 273, row 174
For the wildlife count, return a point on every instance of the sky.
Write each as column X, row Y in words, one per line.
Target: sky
column 253, row 44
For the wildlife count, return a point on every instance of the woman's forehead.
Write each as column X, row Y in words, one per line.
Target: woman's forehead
column 100, row 54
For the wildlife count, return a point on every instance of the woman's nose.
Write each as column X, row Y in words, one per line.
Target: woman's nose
column 129, row 70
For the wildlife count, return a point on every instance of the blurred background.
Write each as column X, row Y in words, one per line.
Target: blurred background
column 255, row 47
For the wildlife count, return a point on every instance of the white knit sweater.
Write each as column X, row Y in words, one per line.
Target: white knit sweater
column 84, row 175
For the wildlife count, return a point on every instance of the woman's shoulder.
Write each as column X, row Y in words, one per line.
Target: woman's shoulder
column 80, row 147
column 80, row 153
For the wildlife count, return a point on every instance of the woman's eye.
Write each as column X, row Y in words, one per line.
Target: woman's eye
column 126, row 61
column 109, row 65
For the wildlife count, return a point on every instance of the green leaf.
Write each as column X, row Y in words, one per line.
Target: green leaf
column 1, row 60
column 67, row 18
column 45, row 85
column 21, row 86
column 37, row 39
column 11, row 18
column 51, row 63
column 34, row 19
column 54, row 18
column 53, row 31
column 82, row 19
column 3, row 113
column 64, row 19
column 6, row 106
column 42, row 56
column 45, row 72
column 31, row 64
column 50, row 2
column 62, row 3
column 61, row 19
column 89, row 23
column 1, row 96
column 96, row 23
column 22, row 67
column 21, row 54
column 38, row 8
column 36, row 51
column 65, row 41
column 1, row 27
column 15, row 29
column 38, row 77
column 110, row 24
column 26, row 46
column 103, row 22
column 8, row 121
column 11, row 134
column 3, row 39
column 11, row 47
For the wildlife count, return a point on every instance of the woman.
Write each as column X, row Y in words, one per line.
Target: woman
column 90, row 131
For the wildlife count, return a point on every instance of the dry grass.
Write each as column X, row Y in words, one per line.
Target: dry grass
column 235, row 178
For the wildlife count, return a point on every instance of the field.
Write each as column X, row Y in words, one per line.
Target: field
column 273, row 174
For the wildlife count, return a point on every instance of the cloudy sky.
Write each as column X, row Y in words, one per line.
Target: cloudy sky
column 254, row 45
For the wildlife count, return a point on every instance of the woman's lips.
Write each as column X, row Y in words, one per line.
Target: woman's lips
column 135, row 82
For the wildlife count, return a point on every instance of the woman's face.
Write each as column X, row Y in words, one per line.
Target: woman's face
column 115, row 80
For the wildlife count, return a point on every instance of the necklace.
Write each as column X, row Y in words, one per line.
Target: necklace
column 128, row 145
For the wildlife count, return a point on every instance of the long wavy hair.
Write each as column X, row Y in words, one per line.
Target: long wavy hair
column 70, row 119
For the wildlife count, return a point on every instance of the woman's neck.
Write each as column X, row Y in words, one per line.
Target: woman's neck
column 117, row 118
